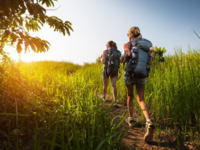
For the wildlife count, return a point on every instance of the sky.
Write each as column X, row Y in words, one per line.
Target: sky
column 166, row 23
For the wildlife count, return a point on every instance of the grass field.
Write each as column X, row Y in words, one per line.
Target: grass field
column 56, row 105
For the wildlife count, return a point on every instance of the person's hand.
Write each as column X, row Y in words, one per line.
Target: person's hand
column 132, row 75
column 127, row 48
column 122, row 59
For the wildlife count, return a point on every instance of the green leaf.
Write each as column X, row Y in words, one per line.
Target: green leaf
column 18, row 17
column 197, row 34
column 109, row 137
column 19, row 47
column 48, row 3
column 11, row 114
column 14, row 38
column 50, row 143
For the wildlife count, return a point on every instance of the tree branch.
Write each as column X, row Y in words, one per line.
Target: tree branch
column 54, row 9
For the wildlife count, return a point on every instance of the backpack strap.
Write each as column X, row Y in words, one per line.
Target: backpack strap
column 107, row 57
column 105, row 66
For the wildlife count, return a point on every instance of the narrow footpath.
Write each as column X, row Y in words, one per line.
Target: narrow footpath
column 162, row 140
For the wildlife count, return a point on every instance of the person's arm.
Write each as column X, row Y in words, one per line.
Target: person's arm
column 104, row 56
column 127, row 49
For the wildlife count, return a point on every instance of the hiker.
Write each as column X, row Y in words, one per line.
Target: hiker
column 111, row 60
column 132, row 79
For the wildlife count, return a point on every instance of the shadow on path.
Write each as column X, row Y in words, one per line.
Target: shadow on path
column 134, row 136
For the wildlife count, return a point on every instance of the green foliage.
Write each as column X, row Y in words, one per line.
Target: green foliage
column 56, row 107
column 159, row 53
column 171, row 92
column 18, row 17
column 98, row 60
column 197, row 35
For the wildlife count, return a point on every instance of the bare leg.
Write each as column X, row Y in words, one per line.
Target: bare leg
column 114, row 88
column 140, row 97
column 129, row 89
column 105, row 85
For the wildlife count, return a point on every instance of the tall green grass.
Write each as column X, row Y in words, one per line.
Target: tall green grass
column 173, row 89
column 58, row 108
column 178, row 98
column 172, row 92
column 55, row 105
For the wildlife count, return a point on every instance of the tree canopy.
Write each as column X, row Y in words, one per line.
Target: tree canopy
column 18, row 17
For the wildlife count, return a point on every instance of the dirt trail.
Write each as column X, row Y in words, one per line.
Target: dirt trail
column 133, row 140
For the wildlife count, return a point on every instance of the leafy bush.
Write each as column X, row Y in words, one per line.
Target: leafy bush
column 98, row 60
column 159, row 53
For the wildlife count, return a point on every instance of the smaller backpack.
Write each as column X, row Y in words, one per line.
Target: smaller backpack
column 139, row 62
column 113, row 61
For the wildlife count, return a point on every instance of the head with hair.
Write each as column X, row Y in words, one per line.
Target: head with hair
column 111, row 44
column 133, row 33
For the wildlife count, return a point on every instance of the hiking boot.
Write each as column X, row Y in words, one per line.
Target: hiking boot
column 129, row 120
column 149, row 129
column 115, row 105
column 102, row 97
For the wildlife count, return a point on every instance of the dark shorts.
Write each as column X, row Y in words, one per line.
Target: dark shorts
column 107, row 76
column 134, row 80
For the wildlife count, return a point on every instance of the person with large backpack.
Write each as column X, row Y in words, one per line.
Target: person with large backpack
column 111, row 60
column 137, row 69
